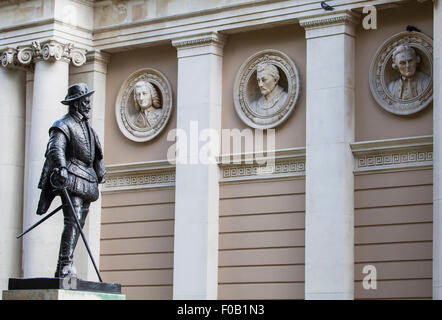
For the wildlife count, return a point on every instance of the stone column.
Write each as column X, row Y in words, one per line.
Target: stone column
column 52, row 59
column 437, row 152
column 197, row 180
column 12, row 137
column 329, row 190
column 93, row 72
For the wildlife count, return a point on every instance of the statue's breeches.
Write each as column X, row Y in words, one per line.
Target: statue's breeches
column 82, row 182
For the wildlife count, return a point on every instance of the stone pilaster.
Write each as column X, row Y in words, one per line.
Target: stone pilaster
column 12, row 135
column 51, row 61
column 197, row 182
column 437, row 152
column 329, row 161
column 93, row 72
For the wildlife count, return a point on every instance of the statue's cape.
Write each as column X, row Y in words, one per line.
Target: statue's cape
column 47, row 194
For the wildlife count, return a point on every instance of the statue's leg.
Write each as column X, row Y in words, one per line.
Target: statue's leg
column 82, row 213
column 70, row 235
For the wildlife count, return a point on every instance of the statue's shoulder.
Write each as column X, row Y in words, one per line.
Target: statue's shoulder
column 63, row 124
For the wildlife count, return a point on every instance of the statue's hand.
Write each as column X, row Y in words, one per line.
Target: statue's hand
column 59, row 177
column 63, row 176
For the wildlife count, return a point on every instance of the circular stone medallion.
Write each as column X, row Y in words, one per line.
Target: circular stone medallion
column 401, row 73
column 144, row 105
column 266, row 89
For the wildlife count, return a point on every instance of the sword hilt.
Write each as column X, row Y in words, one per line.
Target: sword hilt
column 54, row 179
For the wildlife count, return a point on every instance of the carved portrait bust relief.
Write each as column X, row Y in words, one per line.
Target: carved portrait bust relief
column 266, row 89
column 411, row 82
column 144, row 105
column 401, row 73
column 273, row 95
column 147, row 103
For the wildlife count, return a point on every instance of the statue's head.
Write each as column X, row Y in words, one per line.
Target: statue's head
column 145, row 95
column 405, row 59
column 78, row 98
column 267, row 76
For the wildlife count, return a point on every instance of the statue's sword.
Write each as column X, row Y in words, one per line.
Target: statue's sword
column 65, row 194
column 40, row 222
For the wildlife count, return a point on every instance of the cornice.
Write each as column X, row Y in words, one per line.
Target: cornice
column 330, row 19
column 391, row 144
column 43, row 31
column 98, row 56
column 139, row 176
column 201, row 40
column 379, row 156
column 391, row 155
column 89, row 3
column 234, row 158
column 277, row 165
column 186, row 15
column 227, row 19
column 234, row 168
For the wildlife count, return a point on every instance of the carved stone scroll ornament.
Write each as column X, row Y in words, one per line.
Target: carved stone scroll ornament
column 266, row 89
column 144, row 105
column 9, row 57
column 51, row 51
column 400, row 76
column 26, row 54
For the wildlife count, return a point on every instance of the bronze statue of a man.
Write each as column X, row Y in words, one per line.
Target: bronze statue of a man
column 74, row 159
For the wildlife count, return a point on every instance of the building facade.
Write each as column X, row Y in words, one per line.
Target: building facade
column 285, row 151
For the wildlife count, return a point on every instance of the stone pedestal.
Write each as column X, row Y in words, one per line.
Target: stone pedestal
column 61, row 289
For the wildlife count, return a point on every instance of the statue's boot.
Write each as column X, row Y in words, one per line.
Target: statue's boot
column 69, row 238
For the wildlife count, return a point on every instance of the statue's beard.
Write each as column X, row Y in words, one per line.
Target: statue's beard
column 85, row 113
column 82, row 110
